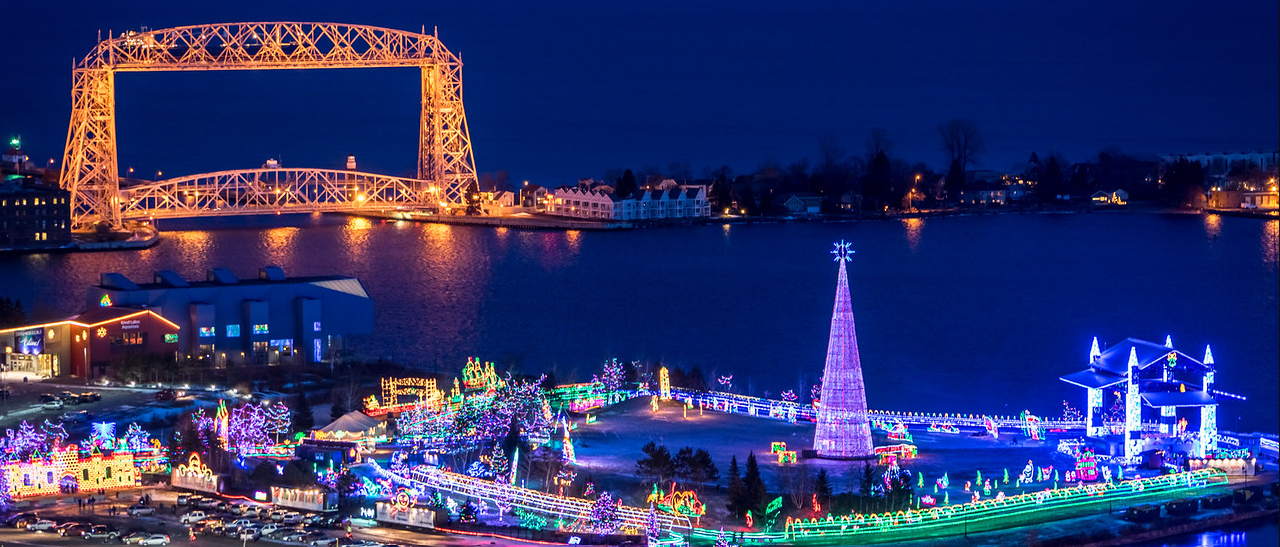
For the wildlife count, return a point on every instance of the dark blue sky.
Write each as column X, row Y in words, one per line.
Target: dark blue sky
column 558, row 92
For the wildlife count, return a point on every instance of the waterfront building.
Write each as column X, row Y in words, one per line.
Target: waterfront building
column 533, row 196
column 85, row 345
column 844, row 429
column 1114, row 197
column 802, row 203
column 270, row 320
column 678, row 202
column 34, row 215
column 1157, row 377
column 983, row 193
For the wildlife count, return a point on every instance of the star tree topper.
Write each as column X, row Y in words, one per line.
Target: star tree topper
column 843, row 251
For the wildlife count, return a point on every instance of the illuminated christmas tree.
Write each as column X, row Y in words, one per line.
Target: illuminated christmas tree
column 843, row 431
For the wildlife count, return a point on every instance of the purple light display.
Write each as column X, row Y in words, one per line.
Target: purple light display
column 843, row 431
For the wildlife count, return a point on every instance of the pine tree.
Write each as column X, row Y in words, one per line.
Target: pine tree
column 301, row 419
column 822, row 487
column 339, row 408
column 755, row 489
column 737, row 491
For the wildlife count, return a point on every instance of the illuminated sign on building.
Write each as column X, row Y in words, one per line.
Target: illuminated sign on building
column 233, row 331
column 261, row 329
column 208, row 332
column 129, row 324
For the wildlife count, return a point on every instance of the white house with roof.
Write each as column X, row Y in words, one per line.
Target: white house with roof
column 681, row 202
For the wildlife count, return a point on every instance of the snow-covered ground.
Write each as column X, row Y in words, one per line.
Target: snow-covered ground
column 607, row 451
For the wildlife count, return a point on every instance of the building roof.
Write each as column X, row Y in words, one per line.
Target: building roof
column 1115, row 359
column 1092, row 379
column 352, row 422
column 95, row 317
column 102, row 315
column 221, row 277
column 1190, row 398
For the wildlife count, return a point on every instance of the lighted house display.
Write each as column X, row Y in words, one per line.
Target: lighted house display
column 1157, row 377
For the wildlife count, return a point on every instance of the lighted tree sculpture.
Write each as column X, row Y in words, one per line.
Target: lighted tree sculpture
column 843, row 431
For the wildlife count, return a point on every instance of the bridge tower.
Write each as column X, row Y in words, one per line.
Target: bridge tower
column 90, row 168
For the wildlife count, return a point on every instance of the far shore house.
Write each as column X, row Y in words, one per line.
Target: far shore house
column 983, row 194
column 533, row 196
column 679, row 202
column 1114, row 197
column 802, row 203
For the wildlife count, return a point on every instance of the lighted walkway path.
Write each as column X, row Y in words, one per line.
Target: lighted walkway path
column 534, row 500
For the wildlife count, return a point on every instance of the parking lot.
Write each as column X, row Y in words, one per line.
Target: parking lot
column 166, row 520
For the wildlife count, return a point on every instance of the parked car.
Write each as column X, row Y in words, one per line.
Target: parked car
column 101, row 531
column 207, row 503
column 183, row 499
column 322, row 541
column 364, row 543
column 155, row 539
column 166, row 395
column 42, row 525
column 141, row 510
column 135, row 538
column 240, row 523
column 237, row 509
column 296, row 536
column 223, row 506
column 90, row 397
column 24, row 518
column 193, row 517
column 291, row 518
column 250, row 533
column 73, row 529
column 81, row 417
column 53, row 405
column 277, row 515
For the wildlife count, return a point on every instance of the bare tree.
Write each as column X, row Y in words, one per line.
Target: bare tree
column 878, row 141
column 962, row 140
column 830, row 154
column 799, row 481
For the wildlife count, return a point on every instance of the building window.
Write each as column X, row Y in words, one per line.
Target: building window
column 261, row 329
column 315, row 327
column 233, row 331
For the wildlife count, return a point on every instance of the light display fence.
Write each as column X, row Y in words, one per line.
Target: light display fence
column 532, row 500
column 1011, row 507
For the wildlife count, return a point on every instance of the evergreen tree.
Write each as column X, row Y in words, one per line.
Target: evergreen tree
column 657, row 464
column 472, row 198
column 822, row 487
column 954, row 182
column 626, row 184
column 754, row 485
column 737, row 491
column 339, row 408
column 301, row 419
column 1052, row 183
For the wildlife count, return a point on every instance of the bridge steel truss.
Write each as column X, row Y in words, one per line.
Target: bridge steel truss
column 264, row 191
column 90, row 168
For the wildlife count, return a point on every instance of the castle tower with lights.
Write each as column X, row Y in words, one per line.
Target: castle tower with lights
column 844, row 429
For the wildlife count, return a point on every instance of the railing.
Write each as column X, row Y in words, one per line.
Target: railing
column 534, row 500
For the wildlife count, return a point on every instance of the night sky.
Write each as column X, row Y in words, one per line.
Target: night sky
column 558, row 92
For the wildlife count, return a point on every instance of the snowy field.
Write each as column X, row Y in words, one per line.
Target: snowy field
column 607, row 451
